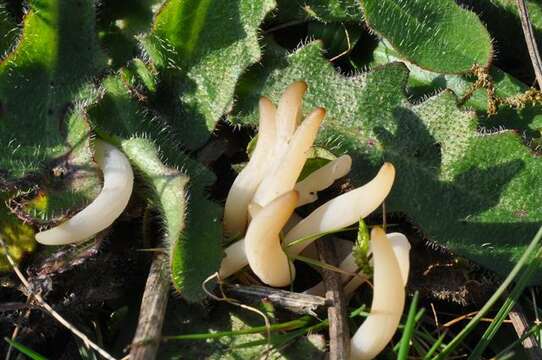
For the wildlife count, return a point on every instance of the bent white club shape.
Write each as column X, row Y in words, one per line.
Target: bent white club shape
column 246, row 183
column 344, row 210
column 322, row 179
column 262, row 242
column 283, row 179
column 106, row 208
column 387, row 305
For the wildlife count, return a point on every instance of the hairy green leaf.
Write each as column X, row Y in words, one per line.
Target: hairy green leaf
column 502, row 20
column 201, row 48
column 8, row 30
column 437, row 35
column 326, row 11
column 191, row 222
column 43, row 132
column 119, row 23
column 474, row 193
column 422, row 82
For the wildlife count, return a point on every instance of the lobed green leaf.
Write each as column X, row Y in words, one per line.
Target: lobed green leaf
column 435, row 35
column 423, row 82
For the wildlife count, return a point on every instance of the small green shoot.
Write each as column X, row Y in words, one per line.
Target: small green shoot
column 322, row 265
column 409, row 328
column 360, row 251
column 25, row 350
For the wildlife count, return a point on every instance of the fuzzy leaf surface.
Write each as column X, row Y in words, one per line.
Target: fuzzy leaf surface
column 436, row 35
column 18, row 237
column 326, row 11
column 119, row 23
column 475, row 194
column 201, row 48
column 503, row 23
column 422, row 82
column 8, row 30
column 43, row 132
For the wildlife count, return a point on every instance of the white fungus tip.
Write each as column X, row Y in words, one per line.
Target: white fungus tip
column 344, row 210
column 283, row 178
column 106, row 207
column 322, row 178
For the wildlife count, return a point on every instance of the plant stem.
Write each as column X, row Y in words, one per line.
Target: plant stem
column 153, row 309
column 339, row 333
column 531, row 41
column 290, row 325
column 50, row 310
column 521, row 325
column 294, row 302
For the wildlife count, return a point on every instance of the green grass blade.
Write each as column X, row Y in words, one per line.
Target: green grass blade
column 289, row 325
column 493, row 299
column 25, row 350
column 314, row 237
column 518, row 341
column 322, row 265
column 505, row 309
column 409, row 328
column 435, row 346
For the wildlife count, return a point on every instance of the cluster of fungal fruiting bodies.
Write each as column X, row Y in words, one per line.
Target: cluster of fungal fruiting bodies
column 261, row 205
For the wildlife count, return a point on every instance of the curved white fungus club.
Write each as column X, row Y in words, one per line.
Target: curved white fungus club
column 246, row 183
column 344, row 210
column 262, row 242
column 322, row 178
column 106, row 208
column 284, row 177
column 387, row 305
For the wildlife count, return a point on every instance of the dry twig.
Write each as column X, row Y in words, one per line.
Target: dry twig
column 153, row 309
column 294, row 302
column 339, row 334
column 50, row 310
column 521, row 325
column 531, row 41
